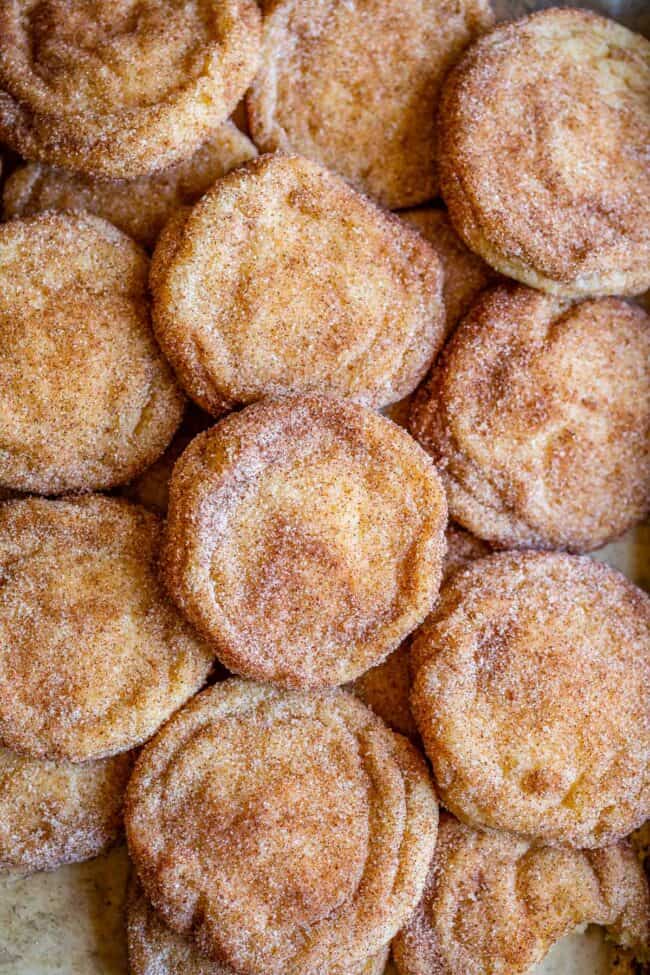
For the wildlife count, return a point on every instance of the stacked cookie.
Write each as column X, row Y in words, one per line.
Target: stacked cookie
column 308, row 655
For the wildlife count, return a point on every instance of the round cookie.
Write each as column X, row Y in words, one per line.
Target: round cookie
column 531, row 696
column 86, row 399
column 282, row 279
column 54, row 813
column 386, row 688
column 93, row 657
column 154, row 949
column 544, row 135
column 465, row 273
column 305, row 539
column 493, row 903
column 139, row 207
column 355, row 87
column 121, row 89
column 538, row 417
column 287, row 832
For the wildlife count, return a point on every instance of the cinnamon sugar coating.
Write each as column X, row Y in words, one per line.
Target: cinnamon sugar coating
column 531, row 696
column 465, row 273
column 154, row 949
column 495, row 904
column 544, row 135
column 55, row 812
column 93, row 657
column 140, row 207
column 282, row 279
column 355, row 87
column 305, row 539
column 285, row 832
column 124, row 88
column 386, row 688
column 86, row 399
column 538, row 417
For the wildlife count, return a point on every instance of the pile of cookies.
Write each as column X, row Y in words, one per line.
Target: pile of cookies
column 300, row 469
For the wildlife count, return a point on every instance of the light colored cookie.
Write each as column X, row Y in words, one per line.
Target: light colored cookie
column 286, row 832
column 465, row 273
column 283, row 279
column 55, row 812
column 538, row 417
column 495, row 904
column 86, row 399
column 123, row 88
column 531, row 696
column 355, row 87
column 154, row 949
column 93, row 657
column 386, row 688
column 305, row 539
column 140, row 207
column 545, row 129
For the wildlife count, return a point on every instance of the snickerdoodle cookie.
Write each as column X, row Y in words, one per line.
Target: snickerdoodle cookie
column 531, row 696
column 356, row 86
column 123, row 88
column 386, row 688
column 465, row 273
column 495, row 904
column 154, row 949
column 140, row 207
column 284, row 279
column 86, row 399
column 545, row 133
column 305, row 539
column 538, row 417
column 286, row 832
column 55, row 812
column 93, row 657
